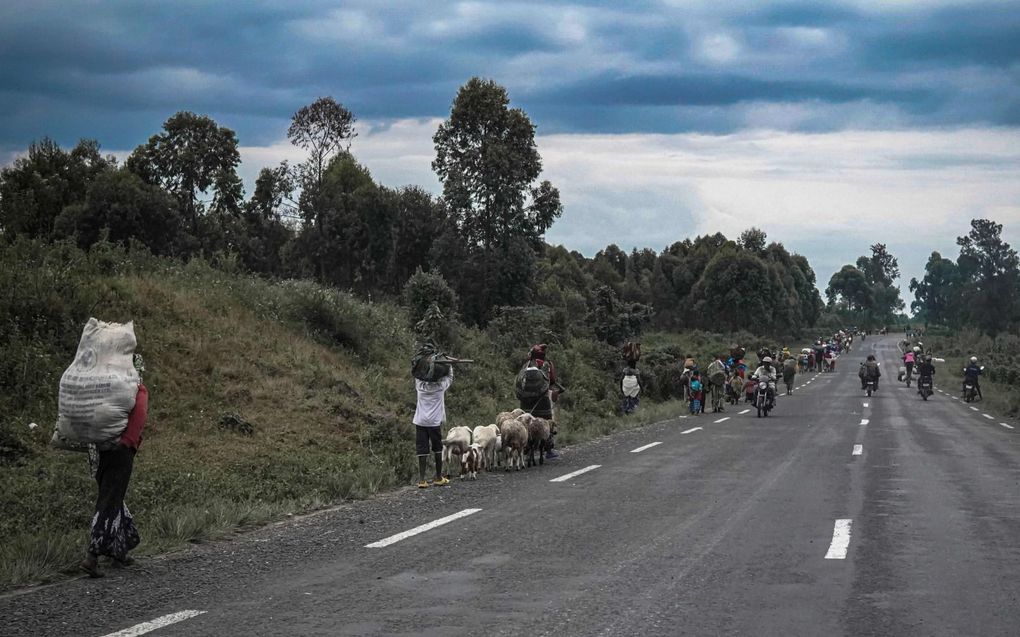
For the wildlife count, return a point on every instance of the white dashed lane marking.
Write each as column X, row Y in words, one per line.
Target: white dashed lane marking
column 393, row 539
column 866, row 404
column 682, row 433
column 648, row 446
column 744, row 412
column 840, row 540
column 574, row 474
column 858, row 450
column 156, row 624
column 723, row 419
column 864, row 421
column 988, row 417
column 1006, row 426
column 975, row 409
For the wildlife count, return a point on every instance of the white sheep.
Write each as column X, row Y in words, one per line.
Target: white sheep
column 491, row 441
column 458, row 439
column 515, row 439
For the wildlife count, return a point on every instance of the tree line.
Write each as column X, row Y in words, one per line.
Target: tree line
column 179, row 195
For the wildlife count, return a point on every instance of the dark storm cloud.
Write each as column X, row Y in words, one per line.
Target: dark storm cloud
column 115, row 70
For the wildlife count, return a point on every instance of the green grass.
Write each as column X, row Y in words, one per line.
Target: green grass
column 998, row 355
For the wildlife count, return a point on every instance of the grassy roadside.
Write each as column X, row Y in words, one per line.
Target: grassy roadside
column 266, row 398
column 997, row 354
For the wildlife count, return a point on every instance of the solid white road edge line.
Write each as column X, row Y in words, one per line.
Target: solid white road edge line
column 723, row 419
column 858, row 450
column 393, row 539
column 840, row 540
column 988, row 417
column 744, row 412
column 156, row 624
column 864, row 421
column 576, row 473
column 690, row 430
column 648, row 446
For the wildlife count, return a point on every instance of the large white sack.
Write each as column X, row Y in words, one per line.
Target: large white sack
column 97, row 392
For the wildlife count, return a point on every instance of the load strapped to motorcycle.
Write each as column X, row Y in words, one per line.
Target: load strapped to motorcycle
column 432, row 365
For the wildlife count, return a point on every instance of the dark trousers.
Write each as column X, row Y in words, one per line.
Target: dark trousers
column 113, row 529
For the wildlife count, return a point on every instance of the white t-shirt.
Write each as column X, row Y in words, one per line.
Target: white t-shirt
column 431, row 410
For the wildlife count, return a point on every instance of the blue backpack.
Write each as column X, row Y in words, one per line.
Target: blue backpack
column 695, row 385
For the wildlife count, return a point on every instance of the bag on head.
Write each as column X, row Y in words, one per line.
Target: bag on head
column 424, row 365
column 532, row 382
column 98, row 390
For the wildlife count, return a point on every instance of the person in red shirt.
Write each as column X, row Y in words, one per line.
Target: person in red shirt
column 113, row 532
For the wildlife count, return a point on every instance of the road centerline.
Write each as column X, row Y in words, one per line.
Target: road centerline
column 156, row 624
column 840, row 540
column 858, row 450
column 393, row 539
column 574, row 474
column 864, row 421
column 648, row 446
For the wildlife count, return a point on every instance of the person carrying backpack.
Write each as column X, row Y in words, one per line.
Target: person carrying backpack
column 537, row 389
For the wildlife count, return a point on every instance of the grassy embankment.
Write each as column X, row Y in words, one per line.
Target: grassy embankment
column 266, row 398
column 998, row 355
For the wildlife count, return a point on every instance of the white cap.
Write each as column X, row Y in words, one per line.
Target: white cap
column 768, row 359
column 973, row 359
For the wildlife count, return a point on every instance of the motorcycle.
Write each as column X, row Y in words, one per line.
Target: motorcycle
column 869, row 386
column 924, row 387
column 764, row 399
column 969, row 393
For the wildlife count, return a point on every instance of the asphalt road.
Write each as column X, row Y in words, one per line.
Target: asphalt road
column 746, row 526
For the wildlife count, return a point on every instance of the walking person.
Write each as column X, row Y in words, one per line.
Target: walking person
column 539, row 401
column 630, row 386
column 113, row 532
column 429, row 416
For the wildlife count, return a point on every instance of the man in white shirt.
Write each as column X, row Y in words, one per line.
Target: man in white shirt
column 429, row 417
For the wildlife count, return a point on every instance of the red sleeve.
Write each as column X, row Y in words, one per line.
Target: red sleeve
column 132, row 436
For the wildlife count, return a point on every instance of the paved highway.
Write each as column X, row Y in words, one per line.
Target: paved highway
column 838, row 515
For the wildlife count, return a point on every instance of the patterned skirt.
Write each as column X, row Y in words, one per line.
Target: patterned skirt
column 113, row 529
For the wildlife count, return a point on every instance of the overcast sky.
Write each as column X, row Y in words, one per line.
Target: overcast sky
column 831, row 125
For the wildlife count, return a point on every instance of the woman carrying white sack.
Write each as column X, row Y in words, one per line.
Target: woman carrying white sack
column 103, row 408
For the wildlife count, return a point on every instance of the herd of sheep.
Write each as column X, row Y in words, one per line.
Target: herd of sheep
column 514, row 436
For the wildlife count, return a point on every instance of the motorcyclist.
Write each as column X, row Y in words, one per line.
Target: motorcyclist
column 767, row 374
column 908, row 361
column 869, row 371
column 971, row 374
column 925, row 371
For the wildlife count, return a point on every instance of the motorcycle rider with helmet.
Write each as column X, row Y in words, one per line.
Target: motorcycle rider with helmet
column 767, row 374
column 971, row 374
column 925, row 371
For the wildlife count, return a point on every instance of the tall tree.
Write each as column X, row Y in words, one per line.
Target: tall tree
column 323, row 128
column 487, row 160
column 850, row 287
column 937, row 294
column 753, row 239
column 126, row 207
column 989, row 269
column 37, row 187
column 191, row 155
